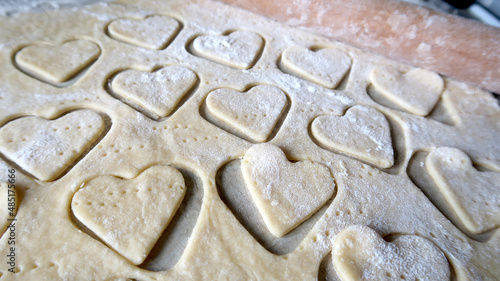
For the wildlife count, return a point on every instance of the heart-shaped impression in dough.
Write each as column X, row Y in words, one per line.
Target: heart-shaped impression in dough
column 416, row 91
column 238, row 49
column 359, row 253
column 45, row 148
column 57, row 64
column 326, row 66
column 130, row 215
column 362, row 132
column 9, row 199
column 159, row 91
column 254, row 113
column 153, row 32
column 473, row 195
column 285, row 193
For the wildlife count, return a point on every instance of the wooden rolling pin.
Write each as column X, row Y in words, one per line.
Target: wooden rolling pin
column 460, row 48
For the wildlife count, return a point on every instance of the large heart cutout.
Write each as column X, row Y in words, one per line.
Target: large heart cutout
column 359, row 253
column 130, row 215
column 153, row 32
column 238, row 49
column 254, row 113
column 326, row 66
column 285, row 193
column 57, row 64
column 473, row 195
column 416, row 91
column 158, row 92
column 362, row 132
column 45, row 148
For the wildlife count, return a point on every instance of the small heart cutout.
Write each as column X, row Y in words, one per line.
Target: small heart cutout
column 130, row 215
column 285, row 193
column 359, row 253
column 416, row 91
column 153, row 32
column 362, row 132
column 57, row 64
column 45, row 148
column 159, row 92
column 326, row 66
column 238, row 49
column 473, row 195
column 254, row 113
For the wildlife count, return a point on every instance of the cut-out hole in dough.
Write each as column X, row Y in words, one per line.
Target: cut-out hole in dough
column 362, row 132
column 40, row 153
column 285, row 193
column 359, row 253
column 56, row 64
column 153, row 32
column 239, row 49
column 156, row 94
column 252, row 114
column 234, row 192
column 326, row 66
column 130, row 223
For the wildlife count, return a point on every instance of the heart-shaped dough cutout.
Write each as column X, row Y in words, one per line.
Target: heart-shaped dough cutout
column 474, row 196
column 45, row 148
column 359, row 253
column 57, row 64
column 159, row 91
column 154, row 32
column 130, row 215
column 326, row 66
column 254, row 113
column 285, row 193
column 238, row 49
column 362, row 132
column 416, row 91
column 8, row 199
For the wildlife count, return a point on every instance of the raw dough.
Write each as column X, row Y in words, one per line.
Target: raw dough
column 254, row 112
column 359, row 253
column 416, row 91
column 363, row 132
column 237, row 49
column 159, row 91
column 323, row 185
column 474, row 195
column 285, row 193
column 130, row 215
column 153, row 32
column 325, row 66
column 45, row 148
column 57, row 63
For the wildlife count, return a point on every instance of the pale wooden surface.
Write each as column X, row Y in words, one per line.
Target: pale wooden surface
column 450, row 45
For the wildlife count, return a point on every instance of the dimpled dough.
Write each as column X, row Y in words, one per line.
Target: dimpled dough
column 320, row 160
column 130, row 215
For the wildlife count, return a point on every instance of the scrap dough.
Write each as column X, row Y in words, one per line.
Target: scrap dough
column 214, row 86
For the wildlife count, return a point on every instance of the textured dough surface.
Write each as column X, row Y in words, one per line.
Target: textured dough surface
column 285, row 193
column 474, row 195
column 205, row 238
column 130, row 215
